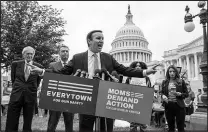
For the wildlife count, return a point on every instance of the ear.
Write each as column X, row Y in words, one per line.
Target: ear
column 88, row 41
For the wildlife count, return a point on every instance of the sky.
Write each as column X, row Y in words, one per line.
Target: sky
column 162, row 22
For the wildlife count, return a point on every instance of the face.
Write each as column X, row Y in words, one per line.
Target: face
column 138, row 66
column 64, row 53
column 188, row 87
column 28, row 55
column 96, row 44
column 172, row 73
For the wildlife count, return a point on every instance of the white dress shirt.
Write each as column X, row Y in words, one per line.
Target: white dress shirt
column 91, row 63
column 31, row 62
column 63, row 62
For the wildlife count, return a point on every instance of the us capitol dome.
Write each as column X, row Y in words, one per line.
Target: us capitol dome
column 130, row 44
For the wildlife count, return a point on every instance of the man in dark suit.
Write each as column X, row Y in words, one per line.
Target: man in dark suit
column 24, row 92
column 91, row 60
column 55, row 115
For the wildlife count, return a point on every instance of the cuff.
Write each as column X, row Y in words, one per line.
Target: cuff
column 144, row 73
column 42, row 74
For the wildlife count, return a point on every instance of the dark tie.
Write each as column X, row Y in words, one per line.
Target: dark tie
column 95, row 66
column 27, row 72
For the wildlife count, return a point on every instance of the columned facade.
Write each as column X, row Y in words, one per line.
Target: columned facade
column 130, row 44
column 188, row 56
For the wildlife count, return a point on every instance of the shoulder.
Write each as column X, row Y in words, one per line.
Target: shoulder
column 105, row 54
column 80, row 54
column 17, row 62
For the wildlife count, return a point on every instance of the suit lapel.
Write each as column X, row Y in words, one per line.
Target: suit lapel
column 85, row 61
column 23, row 68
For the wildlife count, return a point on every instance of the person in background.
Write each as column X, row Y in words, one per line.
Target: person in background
column 189, row 101
column 142, row 66
column 199, row 96
column 174, row 91
column 54, row 116
column 24, row 91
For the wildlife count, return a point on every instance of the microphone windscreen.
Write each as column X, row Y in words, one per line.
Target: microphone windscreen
column 103, row 70
column 114, row 73
column 97, row 71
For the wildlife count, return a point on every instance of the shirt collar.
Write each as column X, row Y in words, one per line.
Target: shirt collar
column 63, row 62
column 31, row 62
column 90, row 53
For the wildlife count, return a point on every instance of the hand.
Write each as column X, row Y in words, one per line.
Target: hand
column 150, row 71
column 177, row 93
column 35, row 69
column 165, row 98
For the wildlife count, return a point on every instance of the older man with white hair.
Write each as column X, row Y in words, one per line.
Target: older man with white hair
column 24, row 91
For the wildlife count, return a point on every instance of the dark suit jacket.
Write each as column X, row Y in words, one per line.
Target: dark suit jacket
column 19, row 85
column 55, row 66
column 80, row 61
column 180, row 87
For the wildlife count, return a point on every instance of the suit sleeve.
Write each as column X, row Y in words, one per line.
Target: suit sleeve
column 127, row 71
column 39, row 77
column 13, row 71
column 67, row 69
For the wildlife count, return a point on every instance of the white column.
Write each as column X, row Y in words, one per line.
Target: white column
column 171, row 62
column 192, row 67
column 124, row 53
column 128, row 56
column 120, row 57
column 188, row 66
column 148, row 58
column 132, row 56
column 180, row 64
column 196, row 66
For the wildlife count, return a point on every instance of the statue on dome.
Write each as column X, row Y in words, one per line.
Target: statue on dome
column 129, row 12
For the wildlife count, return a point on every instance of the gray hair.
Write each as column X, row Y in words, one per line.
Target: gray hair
column 28, row 48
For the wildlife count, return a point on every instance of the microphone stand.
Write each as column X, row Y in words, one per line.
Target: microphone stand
column 98, row 119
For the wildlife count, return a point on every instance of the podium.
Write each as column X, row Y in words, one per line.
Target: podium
column 96, row 97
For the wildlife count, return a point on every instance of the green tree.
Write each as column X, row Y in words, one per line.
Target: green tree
column 26, row 23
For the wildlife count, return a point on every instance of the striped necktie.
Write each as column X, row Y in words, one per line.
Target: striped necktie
column 95, row 65
column 27, row 72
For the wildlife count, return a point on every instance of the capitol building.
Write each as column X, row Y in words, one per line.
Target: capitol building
column 130, row 44
column 188, row 56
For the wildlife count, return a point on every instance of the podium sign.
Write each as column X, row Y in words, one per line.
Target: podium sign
column 69, row 94
column 96, row 97
column 125, row 102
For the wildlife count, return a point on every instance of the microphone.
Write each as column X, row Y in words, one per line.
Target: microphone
column 103, row 72
column 115, row 76
column 87, row 75
column 97, row 74
column 120, row 78
column 83, row 74
column 77, row 72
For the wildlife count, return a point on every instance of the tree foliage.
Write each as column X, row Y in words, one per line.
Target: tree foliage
column 26, row 23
